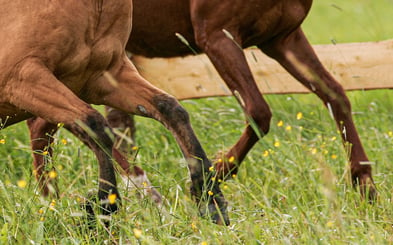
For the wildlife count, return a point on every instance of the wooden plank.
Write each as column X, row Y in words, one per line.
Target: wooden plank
column 356, row 65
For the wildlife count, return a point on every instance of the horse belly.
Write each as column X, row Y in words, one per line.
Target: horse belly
column 10, row 115
column 159, row 28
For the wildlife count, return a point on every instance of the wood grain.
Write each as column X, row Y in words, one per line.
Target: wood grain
column 357, row 66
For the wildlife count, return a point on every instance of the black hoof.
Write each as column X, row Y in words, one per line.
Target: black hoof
column 216, row 210
column 367, row 188
column 106, row 207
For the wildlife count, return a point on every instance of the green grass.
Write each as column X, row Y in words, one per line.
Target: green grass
column 295, row 192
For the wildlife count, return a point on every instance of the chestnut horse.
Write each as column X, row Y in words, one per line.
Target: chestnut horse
column 58, row 57
column 221, row 29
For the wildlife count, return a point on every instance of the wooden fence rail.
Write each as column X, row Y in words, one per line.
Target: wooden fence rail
column 356, row 66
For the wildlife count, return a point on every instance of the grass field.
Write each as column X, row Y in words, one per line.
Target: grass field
column 293, row 188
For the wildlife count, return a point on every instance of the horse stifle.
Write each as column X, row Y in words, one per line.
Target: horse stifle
column 58, row 57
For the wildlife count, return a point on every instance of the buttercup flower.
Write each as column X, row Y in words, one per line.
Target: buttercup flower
column 137, row 233
column 52, row 174
column 22, row 183
column 112, row 198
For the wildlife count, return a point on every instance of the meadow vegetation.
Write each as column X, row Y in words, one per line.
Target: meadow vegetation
column 293, row 188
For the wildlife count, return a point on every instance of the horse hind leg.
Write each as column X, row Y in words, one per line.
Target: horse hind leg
column 41, row 140
column 77, row 116
column 230, row 62
column 123, row 125
column 135, row 95
column 296, row 55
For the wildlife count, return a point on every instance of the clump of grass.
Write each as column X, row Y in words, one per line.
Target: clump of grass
column 297, row 191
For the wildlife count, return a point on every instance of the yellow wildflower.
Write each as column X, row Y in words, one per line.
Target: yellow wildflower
column 277, row 144
column 334, row 156
column 204, row 243
column 234, row 176
column 135, row 148
column 390, row 133
column 210, row 193
column 265, row 153
column 280, row 123
column 45, row 153
column 64, row 141
column 314, row 151
column 225, row 187
column 231, row 159
column 219, row 160
column 211, row 168
column 137, row 233
column 112, row 198
column 213, row 178
column 52, row 205
column 330, row 224
column 22, row 183
column 333, row 138
column 194, row 227
column 2, row 141
column 299, row 115
column 52, row 174
column 288, row 128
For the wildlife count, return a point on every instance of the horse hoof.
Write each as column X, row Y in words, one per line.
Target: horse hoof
column 216, row 210
column 367, row 188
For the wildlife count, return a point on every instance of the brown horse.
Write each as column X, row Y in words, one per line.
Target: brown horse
column 57, row 58
column 221, row 29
